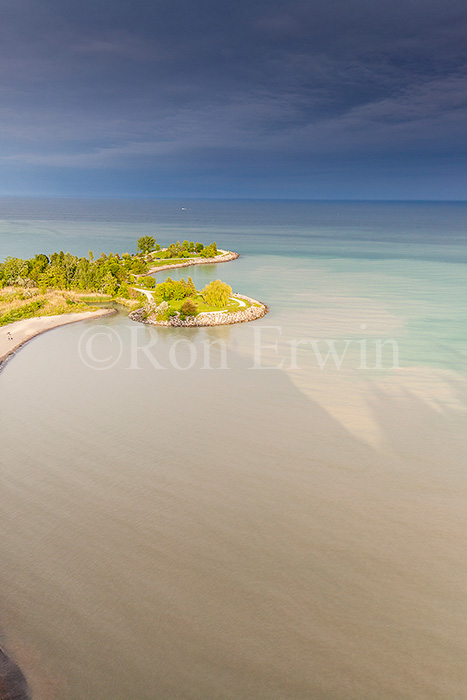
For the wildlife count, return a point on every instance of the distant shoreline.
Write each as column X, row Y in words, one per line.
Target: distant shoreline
column 25, row 330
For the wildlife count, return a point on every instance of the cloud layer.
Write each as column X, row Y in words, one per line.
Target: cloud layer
column 344, row 98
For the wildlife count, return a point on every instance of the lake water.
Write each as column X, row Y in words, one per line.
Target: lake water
column 271, row 530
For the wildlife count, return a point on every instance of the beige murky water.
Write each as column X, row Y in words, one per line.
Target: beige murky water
column 220, row 535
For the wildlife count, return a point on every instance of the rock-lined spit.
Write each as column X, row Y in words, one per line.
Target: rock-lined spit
column 224, row 256
column 210, row 318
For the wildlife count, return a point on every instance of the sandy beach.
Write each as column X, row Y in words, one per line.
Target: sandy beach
column 22, row 331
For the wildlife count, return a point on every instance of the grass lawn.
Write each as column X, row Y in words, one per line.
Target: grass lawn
column 176, row 304
column 157, row 261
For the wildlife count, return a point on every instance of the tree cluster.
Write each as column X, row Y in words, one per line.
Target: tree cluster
column 183, row 250
column 209, row 251
column 108, row 274
column 172, row 289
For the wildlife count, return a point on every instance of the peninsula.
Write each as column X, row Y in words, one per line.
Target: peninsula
column 44, row 292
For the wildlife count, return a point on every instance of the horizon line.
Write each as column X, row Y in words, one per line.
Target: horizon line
column 230, row 199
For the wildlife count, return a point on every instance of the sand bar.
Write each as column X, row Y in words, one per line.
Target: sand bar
column 22, row 331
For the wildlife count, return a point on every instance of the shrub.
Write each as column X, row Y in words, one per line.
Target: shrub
column 189, row 308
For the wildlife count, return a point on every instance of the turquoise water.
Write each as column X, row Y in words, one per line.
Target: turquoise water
column 281, row 534
column 408, row 258
column 433, row 231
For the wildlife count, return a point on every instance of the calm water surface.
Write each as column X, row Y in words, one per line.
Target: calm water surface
column 271, row 534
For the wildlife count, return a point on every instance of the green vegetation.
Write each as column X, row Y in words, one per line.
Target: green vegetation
column 187, row 249
column 172, row 261
column 181, row 297
column 189, row 308
column 63, row 283
column 146, row 244
column 20, row 303
column 160, row 312
column 108, row 274
column 170, row 289
column 148, row 282
column 217, row 293
column 209, row 252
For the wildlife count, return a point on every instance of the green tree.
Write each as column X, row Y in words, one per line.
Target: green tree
column 166, row 289
column 146, row 244
column 54, row 276
column 14, row 270
column 138, row 266
column 191, row 287
column 171, row 289
column 38, row 265
column 109, row 284
column 209, row 251
column 123, row 291
column 217, row 293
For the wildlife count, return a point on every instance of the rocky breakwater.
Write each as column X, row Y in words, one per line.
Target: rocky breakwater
column 208, row 318
column 223, row 256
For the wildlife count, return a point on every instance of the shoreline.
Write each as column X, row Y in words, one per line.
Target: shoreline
column 209, row 318
column 26, row 329
column 225, row 256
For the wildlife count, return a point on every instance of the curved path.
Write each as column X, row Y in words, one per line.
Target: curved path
column 209, row 318
column 205, row 318
column 147, row 293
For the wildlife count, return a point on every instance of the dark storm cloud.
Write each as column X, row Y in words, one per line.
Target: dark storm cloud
column 275, row 88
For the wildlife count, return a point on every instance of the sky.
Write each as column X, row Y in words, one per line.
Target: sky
column 294, row 99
